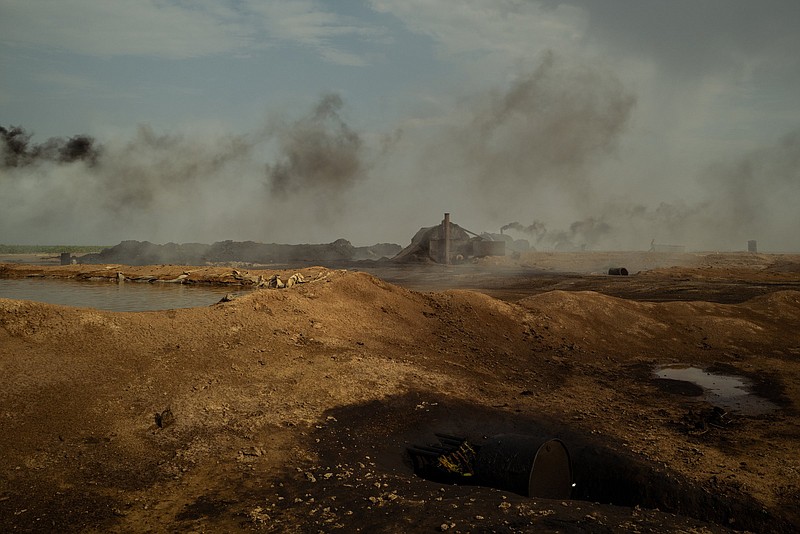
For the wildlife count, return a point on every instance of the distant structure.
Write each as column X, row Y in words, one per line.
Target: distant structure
column 675, row 249
column 448, row 242
column 752, row 246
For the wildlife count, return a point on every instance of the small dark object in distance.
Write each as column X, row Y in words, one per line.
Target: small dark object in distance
column 618, row 271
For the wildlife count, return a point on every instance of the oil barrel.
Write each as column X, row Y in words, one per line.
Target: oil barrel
column 618, row 271
column 526, row 465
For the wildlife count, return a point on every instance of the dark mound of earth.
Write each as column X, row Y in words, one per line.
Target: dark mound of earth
column 146, row 253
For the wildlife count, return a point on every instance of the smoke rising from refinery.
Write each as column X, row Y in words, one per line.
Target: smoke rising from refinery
column 527, row 150
column 610, row 150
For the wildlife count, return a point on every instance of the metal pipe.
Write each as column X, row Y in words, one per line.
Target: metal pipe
column 421, row 452
column 447, row 439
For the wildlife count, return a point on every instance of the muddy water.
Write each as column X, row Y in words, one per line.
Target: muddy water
column 111, row 296
column 726, row 391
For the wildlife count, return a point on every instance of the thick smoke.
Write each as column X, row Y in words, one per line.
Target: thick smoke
column 561, row 174
column 14, row 146
column 319, row 151
column 199, row 186
column 18, row 151
column 756, row 195
column 159, row 172
column 750, row 197
column 527, row 149
column 535, row 150
column 537, row 229
column 581, row 234
column 548, row 126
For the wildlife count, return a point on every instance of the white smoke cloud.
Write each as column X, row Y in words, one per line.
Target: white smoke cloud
column 550, row 146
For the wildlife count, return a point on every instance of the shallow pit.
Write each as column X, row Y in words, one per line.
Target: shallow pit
column 603, row 471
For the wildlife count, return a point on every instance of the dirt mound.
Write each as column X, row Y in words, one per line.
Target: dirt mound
column 785, row 263
column 663, row 329
column 290, row 410
column 146, row 253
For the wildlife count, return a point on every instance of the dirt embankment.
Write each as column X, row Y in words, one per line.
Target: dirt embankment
column 290, row 410
column 146, row 253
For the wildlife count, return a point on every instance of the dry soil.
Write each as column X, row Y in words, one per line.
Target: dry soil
column 290, row 410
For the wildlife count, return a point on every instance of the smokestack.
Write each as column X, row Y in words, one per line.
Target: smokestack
column 446, row 224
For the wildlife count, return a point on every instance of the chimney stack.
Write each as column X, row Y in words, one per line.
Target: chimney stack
column 446, row 224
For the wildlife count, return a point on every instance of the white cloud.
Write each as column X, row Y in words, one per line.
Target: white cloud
column 118, row 27
column 508, row 31
column 66, row 81
column 177, row 29
column 307, row 23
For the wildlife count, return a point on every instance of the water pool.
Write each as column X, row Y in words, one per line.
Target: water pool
column 128, row 296
column 727, row 391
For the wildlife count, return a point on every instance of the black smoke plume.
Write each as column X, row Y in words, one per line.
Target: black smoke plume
column 319, row 151
column 547, row 126
column 18, row 151
column 537, row 229
column 15, row 142
column 586, row 232
column 204, row 186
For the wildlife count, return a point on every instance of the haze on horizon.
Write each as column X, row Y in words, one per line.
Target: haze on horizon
column 607, row 124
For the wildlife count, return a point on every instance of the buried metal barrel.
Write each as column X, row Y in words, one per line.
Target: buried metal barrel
column 618, row 271
column 527, row 465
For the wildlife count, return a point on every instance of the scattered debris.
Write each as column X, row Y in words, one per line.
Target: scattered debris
column 447, row 462
column 701, row 421
column 296, row 278
column 275, row 281
column 179, row 280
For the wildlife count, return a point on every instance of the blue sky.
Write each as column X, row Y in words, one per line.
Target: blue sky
column 641, row 120
column 172, row 63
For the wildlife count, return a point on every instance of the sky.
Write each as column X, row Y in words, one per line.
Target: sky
column 609, row 125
